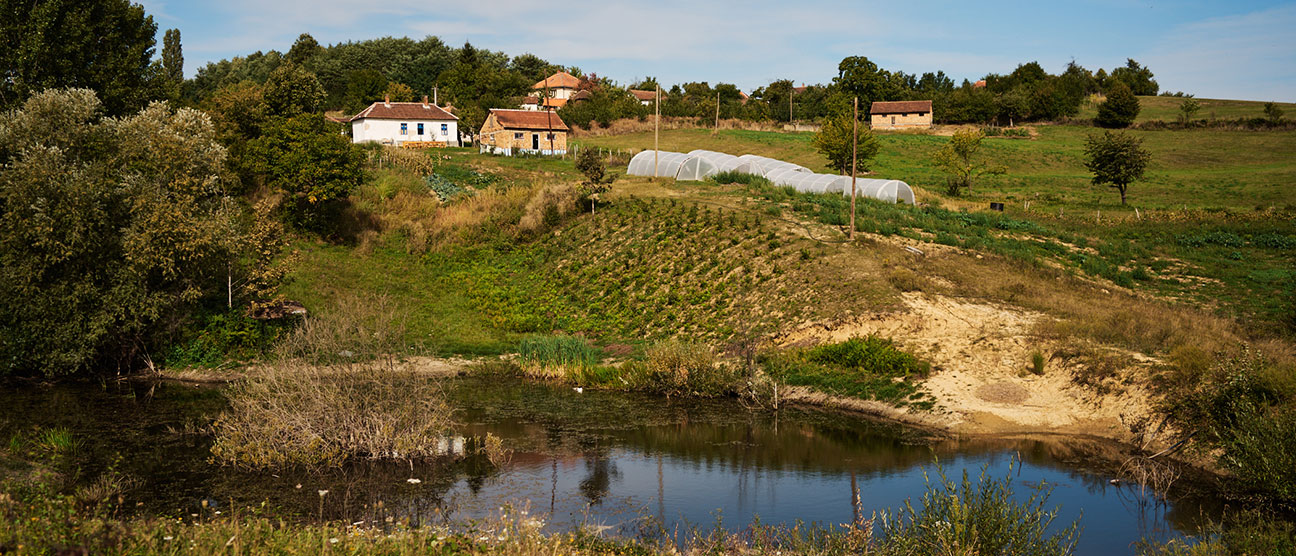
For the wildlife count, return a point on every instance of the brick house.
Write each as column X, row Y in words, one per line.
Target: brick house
column 508, row 132
column 904, row 114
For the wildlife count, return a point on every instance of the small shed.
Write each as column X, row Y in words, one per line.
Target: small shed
column 508, row 132
column 904, row 114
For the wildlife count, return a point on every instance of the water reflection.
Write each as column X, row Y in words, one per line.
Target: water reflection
column 606, row 458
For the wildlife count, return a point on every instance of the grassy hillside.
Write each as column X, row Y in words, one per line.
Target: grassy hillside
column 1240, row 170
column 1166, row 109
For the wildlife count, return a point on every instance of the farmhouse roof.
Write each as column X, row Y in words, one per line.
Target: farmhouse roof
column 549, row 102
column 403, row 111
column 901, row 107
column 643, row 95
column 528, row 119
column 558, row 80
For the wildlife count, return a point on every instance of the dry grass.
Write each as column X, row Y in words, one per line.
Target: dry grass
column 635, row 125
column 548, row 206
column 355, row 327
column 295, row 414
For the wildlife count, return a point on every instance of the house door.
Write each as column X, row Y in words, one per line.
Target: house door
column 535, row 141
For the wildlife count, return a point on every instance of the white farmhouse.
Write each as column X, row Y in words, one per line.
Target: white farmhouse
column 397, row 123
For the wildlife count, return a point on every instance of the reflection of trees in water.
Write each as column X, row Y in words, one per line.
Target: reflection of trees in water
column 601, row 469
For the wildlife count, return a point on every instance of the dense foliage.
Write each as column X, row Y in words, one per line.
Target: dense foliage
column 106, row 46
column 109, row 227
column 845, row 142
column 1119, row 110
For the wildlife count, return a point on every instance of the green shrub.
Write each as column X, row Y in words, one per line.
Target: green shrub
column 740, row 177
column 981, row 518
column 675, row 367
column 873, row 354
column 1037, row 362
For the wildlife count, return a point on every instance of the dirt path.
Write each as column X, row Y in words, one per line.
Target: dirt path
column 981, row 355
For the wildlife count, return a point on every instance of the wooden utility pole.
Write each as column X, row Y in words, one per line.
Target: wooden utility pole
column 791, row 91
column 854, row 154
column 548, row 115
column 717, row 129
column 657, row 133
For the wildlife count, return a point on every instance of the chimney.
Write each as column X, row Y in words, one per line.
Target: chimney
column 387, row 101
column 425, row 104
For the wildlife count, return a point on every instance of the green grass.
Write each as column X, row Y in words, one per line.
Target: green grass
column 558, row 351
column 869, row 368
column 1196, row 169
column 1166, row 109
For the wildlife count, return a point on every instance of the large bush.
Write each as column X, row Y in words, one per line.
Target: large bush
column 1120, row 108
column 108, row 227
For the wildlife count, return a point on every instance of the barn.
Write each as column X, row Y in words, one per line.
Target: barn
column 904, row 114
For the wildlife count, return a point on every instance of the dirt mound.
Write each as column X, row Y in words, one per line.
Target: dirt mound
column 980, row 352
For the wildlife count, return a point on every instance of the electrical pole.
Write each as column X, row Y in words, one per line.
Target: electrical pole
column 657, row 133
column 717, row 129
column 791, row 91
column 854, row 154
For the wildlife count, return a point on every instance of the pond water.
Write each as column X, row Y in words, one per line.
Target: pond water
column 617, row 460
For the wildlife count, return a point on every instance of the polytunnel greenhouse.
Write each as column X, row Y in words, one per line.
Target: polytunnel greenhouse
column 704, row 164
column 763, row 166
column 668, row 164
column 890, row 191
column 701, row 164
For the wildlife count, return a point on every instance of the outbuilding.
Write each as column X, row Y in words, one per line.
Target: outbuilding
column 904, row 114
column 405, row 124
column 508, row 132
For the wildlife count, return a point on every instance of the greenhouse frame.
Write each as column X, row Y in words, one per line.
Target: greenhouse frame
column 700, row 164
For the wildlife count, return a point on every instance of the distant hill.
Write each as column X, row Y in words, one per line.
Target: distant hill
column 1167, row 109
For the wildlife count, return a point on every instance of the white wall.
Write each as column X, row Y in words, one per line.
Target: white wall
column 388, row 131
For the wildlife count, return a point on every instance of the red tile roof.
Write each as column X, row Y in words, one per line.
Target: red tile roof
column 558, row 80
column 901, row 107
column 644, row 95
column 549, row 102
column 528, row 119
column 403, row 111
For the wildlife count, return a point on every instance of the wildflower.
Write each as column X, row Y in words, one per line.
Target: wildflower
column 333, row 540
column 217, row 512
column 413, row 481
column 322, row 492
column 298, row 485
column 167, row 538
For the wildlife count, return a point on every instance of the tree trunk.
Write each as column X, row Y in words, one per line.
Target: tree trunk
column 1122, row 190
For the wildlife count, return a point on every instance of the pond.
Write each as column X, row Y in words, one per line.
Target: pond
column 624, row 462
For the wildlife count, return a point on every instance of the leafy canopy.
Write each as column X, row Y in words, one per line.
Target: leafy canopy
column 834, row 142
column 108, row 228
column 1116, row 159
column 958, row 159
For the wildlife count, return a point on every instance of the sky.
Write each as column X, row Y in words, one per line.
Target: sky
column 1213, row 49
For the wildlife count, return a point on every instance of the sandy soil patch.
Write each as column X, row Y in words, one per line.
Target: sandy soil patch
column 980, row 353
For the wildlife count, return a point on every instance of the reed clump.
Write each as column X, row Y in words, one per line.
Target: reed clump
column 296, row 414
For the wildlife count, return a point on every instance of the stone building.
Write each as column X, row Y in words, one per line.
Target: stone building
column 904, row 114
column 508, row 132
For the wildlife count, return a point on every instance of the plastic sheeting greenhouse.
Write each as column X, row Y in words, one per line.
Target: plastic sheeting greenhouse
column 705, row 164
column 701, row 164
column 763, row 166
column 668, row 164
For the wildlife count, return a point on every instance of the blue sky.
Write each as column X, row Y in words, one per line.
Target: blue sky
column 1239, row 49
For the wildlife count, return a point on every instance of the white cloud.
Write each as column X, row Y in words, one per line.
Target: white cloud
column 1250, row 56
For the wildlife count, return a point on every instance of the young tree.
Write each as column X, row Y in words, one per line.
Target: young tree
column 592, row 164
column 1119, row 110
column 834, row 142
column 1116, row 159
column 1272, row 112
column 1188, row 109
column 958, row 158
column 172, row 63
